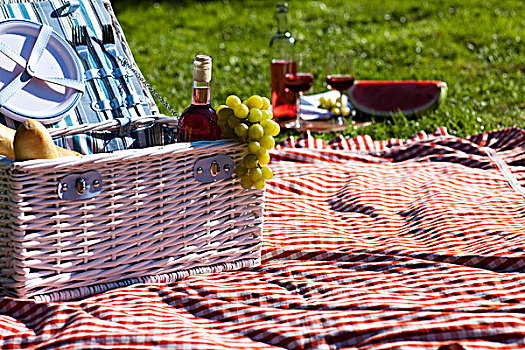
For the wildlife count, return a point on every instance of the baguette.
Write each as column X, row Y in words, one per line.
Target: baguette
column 6, row 141
column 33, row 141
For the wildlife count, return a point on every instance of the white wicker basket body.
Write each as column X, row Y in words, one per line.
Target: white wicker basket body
column 152, row 222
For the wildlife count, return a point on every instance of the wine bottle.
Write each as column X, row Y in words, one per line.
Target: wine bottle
column 281, row 51
column 199, row 121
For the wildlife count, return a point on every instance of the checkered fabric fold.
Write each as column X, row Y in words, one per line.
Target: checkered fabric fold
column 400, row 244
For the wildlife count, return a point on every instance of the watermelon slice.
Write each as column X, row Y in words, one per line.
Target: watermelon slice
column 384, row 98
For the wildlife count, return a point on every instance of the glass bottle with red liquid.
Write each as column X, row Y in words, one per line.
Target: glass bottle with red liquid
column 199, row 121
column 281, row 51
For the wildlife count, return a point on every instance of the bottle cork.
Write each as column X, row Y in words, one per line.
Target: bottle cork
column 202, row 68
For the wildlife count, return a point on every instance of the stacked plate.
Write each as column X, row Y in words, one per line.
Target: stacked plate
column 41, row 76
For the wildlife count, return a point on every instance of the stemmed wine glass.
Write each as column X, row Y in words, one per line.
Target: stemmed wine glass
column 339, row 76
column 298, row 79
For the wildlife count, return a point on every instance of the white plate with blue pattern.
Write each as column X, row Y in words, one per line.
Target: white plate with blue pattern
column 41, row 76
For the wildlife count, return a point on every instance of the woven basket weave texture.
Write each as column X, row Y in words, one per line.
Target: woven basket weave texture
column 151, row 218
column 152, row 221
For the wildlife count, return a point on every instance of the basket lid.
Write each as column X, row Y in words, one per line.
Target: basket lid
column 41, row 76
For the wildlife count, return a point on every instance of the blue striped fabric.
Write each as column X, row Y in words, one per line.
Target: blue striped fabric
column 101, row 89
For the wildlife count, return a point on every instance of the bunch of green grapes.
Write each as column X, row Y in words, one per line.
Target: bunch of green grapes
column 333, row 107
column 250, row 122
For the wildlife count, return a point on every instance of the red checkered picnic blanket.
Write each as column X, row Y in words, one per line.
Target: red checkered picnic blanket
column 399, row 244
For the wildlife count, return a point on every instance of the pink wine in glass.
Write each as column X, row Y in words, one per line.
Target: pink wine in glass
column 340, row 82
column 283, row 102
column 298, row 82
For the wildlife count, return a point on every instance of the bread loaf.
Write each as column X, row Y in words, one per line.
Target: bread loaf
column 29, row 142
column 33, row 141
column 62, row 152
column 6, row 142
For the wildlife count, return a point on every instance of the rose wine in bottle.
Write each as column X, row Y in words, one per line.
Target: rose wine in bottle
column 281, row 51
column 199, row 121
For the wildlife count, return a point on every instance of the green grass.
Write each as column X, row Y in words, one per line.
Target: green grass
column 476, row 46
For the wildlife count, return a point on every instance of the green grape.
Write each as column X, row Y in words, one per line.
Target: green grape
column 256, row 132
column 335, row 110
column 334, row 107
column 324, row 103
column 259, row 184
column 255, row 174
column 232, row 101
column 267, row 172
column 276, row 130
column 265, row 123
column 263, row 157
column 218, row 109
column 241, row 111
column 266, row 103
column 255, row 115
column 227, row 132
column 254, row 147
column 271, row 128
column 266, row 115
column 233, row 121
column 250, row 161
column 254, row 101
column 240, row 170
column 241, row 130
column 222, row 122
column 246, row 182
column 224, row 114
column 267, row 142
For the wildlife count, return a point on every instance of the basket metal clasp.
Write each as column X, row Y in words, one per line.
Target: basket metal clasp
column 209, row 169
column 80, row 186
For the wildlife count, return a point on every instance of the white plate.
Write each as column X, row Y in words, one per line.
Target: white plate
column 38, row 99
column 310, row 105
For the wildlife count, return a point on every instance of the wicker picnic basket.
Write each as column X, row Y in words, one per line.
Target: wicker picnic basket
column 72, row 227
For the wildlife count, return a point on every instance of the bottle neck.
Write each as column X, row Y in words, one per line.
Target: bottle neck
column 201, row 93
column 282, row 22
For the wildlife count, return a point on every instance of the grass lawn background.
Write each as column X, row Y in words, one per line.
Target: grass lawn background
column 476, row 46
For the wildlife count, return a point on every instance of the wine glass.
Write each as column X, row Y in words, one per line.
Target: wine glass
column 298, row 79
column 339, row 76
